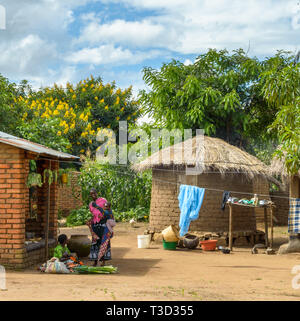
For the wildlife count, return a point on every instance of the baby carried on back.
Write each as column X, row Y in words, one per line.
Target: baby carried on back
column 108, row 215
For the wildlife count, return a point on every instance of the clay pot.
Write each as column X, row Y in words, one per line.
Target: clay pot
column 80, row 244
column 191, row 241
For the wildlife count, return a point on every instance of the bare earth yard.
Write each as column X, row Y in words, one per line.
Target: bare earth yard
column 157, row 274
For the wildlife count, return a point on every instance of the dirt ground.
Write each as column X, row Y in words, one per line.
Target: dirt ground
column 156, row 274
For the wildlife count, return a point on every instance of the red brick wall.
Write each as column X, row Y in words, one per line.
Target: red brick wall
column 164, row 208
column 13, row 205
column 66, row 199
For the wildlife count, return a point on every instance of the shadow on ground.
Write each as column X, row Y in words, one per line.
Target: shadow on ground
column 134, row 267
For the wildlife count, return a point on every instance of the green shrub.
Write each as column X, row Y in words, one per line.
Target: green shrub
column 79, row 216
column 124, row 188
column 139, row 213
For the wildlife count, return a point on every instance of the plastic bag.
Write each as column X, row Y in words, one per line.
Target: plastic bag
column 55, row 266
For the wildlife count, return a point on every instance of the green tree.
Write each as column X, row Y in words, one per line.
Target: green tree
column 220, row 93
column 281, row 88
column 68, row 119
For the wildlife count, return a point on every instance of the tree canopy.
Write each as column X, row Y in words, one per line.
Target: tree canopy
column 282, row 91
column 220, row 93
column 67, row 119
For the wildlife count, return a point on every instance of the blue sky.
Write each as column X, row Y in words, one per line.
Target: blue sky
column 47, row 41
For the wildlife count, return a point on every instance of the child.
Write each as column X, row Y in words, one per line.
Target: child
column 61, row 251
column 108, row 215
column 64, row 255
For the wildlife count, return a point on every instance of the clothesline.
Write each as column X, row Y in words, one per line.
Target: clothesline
column 176, row 183
column 220, row 190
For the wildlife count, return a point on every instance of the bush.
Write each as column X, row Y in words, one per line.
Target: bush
column 79, row 216
column 139, row 214
column 125, row 189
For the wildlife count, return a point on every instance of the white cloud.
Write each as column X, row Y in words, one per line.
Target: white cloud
column 187, row 62
column 40, row 44
column 130, row 33
column 194, row 26
column 108, row 54
column 26, row 55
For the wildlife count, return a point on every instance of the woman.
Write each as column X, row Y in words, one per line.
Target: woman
column 100, row 247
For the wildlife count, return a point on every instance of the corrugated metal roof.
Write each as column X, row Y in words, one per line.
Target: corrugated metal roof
column 33, row 147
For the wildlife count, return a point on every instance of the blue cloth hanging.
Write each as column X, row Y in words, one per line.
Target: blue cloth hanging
column 190, row 201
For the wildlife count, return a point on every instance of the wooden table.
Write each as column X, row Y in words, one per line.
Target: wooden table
column 265, row 207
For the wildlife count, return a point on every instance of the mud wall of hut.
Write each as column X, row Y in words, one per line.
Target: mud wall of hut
column 281, row 210
column 165, row 208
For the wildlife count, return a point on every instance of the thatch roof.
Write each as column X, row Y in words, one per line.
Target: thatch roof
column 278, row 168
column 215, row 154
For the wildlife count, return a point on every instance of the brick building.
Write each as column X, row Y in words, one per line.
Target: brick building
column 225, row 168
column 15, row 213
column 69, row 196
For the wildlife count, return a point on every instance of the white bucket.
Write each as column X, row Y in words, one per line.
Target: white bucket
column 144, row 241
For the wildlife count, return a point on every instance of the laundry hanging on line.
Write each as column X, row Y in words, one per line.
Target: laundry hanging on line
column 225, row 198
column 294, row 216
column 190, row 201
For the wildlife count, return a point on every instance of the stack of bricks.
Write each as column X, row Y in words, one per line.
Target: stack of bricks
column 66, row 198
column 165, row 210
column 35, row 257
column 13, row 205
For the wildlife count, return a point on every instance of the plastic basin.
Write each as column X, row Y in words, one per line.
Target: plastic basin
column 208, row 245
column 169, row 245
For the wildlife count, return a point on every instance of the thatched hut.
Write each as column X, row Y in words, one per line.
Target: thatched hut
column 225, row 168
column 278, row 168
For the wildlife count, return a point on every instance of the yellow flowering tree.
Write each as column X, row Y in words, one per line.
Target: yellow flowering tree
column 68, row 119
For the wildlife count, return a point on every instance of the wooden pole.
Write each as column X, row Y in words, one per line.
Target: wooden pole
column 271, row 212
column 47, row 220
column 230, row 226
column 266, row 227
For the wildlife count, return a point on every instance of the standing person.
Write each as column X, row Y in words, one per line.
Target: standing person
column 100, row 247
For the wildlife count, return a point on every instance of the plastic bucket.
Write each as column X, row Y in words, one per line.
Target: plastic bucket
column 169, row 245
column 209, row 245
column 143, row 241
